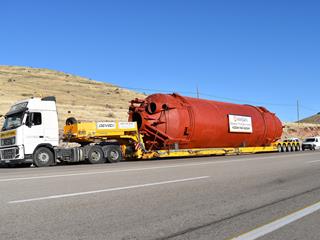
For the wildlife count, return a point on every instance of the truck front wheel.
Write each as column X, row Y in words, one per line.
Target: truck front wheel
column 43, row 157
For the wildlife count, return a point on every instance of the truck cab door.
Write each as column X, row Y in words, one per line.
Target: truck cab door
column 33, row 131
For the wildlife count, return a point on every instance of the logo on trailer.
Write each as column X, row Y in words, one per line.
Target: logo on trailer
column 106, row 125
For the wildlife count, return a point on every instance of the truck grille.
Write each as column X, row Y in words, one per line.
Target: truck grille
column 7, row 154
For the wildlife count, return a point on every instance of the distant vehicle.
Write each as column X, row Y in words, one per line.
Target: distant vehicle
column 311, row 143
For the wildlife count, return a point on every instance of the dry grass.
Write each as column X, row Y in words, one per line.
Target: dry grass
column 76, row 96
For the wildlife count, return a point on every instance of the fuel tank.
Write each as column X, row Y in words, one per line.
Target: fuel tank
column 172, row 121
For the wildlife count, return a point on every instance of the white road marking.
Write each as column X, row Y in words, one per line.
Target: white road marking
column 107, row 190
column 275, row 225
column 314, row 161
column 148, row 168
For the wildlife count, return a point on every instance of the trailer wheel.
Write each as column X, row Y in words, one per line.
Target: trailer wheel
column 95, row 155
column 43, row 157
column 288, row 148
column 113, row 154
column 280, row 149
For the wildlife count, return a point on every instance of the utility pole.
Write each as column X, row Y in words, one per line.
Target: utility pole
column 197, row 92
column 298, row 112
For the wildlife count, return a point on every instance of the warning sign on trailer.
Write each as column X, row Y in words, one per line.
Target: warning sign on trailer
column 240, row 124
column 127, row 125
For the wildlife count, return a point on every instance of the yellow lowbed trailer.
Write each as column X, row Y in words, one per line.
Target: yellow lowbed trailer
column 131, row 141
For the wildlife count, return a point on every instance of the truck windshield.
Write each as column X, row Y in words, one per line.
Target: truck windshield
column 13, row 121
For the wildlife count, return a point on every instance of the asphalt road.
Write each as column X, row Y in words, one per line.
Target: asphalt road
column 265, row 196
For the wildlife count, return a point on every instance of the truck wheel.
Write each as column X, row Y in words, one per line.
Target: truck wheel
column 43, row 157
column 113, row 154
column 95, row 155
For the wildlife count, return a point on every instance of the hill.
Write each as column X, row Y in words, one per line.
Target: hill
column 80, row 97
column 313, row 119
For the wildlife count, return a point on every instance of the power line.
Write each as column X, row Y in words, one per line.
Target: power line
column 197, row 93
column 309, row 109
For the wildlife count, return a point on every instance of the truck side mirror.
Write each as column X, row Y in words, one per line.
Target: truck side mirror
column 29, row 120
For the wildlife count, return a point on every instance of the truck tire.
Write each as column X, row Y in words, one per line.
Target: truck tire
column 43, row 157
column 114, row 154
column 95, row 155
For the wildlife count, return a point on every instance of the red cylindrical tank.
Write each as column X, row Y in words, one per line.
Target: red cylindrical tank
column 174, row 121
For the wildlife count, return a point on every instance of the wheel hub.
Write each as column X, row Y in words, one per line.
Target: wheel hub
column 95, row 156
column 43, row 157
column 114, row 155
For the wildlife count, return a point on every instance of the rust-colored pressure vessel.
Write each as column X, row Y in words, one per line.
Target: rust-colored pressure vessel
column 172, row 121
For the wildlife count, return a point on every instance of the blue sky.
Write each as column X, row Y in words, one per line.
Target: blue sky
column 256, row 52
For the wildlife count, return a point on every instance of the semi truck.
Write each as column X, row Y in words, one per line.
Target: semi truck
column 160, row 126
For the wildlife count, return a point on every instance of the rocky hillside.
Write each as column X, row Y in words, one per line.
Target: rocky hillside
column 76, row 96
column 301, row 130
column 307, row 127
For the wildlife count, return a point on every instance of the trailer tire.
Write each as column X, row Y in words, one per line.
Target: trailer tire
column 114, row 154
column 288, row 148
column 43, row 157
column 280, row 148
column 95, row 155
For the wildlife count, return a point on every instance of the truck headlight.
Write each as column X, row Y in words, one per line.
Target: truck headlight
column 8, row 141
